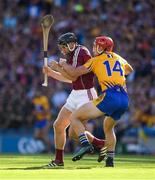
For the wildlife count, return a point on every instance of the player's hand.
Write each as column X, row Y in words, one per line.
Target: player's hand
column 62, row 61
column 46, row 70
column 54, row 65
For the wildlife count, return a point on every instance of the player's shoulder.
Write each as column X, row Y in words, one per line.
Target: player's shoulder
column 84, row 50
column 116, row 55
column 121, row 59
column 102, row 56
column 94, row 59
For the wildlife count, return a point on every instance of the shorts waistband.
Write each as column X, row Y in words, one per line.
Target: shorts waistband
column 117, row 88
column 80, row 90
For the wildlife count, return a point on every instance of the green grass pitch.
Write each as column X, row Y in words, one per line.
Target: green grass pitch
column 126, row 168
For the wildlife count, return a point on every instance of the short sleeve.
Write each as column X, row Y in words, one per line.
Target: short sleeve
column 124, row 61
column 89, row 64
column 85, row 54
column 121, row 60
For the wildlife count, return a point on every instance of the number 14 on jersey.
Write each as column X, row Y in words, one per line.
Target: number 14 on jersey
column 115, row 68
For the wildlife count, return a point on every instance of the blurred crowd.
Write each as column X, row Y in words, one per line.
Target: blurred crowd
column 131, row 24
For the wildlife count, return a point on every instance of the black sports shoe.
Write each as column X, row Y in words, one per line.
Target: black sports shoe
column 54, row 164
column 109, row 162
column 102, row 154
column 84, row 150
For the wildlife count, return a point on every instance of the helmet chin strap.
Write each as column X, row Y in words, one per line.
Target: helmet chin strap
column 71, row 49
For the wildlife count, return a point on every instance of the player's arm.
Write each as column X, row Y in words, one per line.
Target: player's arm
column 56, row 66
column 56, row 75
column 66, row 74
column 75, row 71
column 128, row 69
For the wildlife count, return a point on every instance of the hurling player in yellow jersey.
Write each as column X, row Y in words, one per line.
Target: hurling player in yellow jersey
column 42, row 117
column 110, row 69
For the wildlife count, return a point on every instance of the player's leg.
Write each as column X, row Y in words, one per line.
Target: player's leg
column 84, row 113
column 109, row 124
column 77, row 119
column 85, row 97
column 96, row 142
column 118, row 105
column 60, row 125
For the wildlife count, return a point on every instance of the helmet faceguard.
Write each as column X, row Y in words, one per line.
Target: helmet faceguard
column 67, row 38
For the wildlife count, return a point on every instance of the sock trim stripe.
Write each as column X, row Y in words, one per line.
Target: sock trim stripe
column 83, row 141
column 81, row 138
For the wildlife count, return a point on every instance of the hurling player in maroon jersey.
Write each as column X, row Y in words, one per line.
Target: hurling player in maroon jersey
column 82, row 92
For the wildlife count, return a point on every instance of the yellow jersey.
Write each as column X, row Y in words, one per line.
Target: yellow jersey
column 109, row 69
column 42, row 108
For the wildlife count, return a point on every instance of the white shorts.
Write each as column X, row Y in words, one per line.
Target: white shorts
column 77, row 98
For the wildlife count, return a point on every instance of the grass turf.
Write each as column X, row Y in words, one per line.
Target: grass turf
column 28, row 167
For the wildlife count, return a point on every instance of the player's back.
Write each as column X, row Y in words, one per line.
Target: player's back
column 109, row 69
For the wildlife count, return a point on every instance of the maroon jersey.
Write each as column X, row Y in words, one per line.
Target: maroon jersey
column 81, row 55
